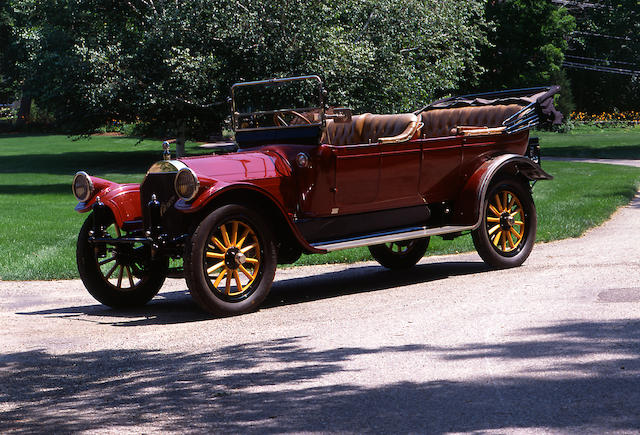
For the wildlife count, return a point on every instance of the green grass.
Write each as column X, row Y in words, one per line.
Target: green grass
column 591, row 141
column 38, row 226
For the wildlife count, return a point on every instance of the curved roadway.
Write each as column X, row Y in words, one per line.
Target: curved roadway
column 552, row 346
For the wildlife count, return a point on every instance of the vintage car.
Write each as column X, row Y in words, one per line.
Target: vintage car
column 308, row 179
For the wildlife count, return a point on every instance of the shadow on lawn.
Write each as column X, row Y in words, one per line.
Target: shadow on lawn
column 609, row 152
column 94, row 162
column 282, row 385
column 178, row 307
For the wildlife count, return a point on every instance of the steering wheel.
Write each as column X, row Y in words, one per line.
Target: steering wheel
column 279, row 121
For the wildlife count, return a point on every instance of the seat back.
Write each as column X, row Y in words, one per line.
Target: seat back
column 388, row 126
column 344, row 133
column 443, row 122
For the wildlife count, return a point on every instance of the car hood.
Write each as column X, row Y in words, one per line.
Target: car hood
column 249, row 165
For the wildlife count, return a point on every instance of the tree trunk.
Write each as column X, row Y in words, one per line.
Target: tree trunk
column 24, row 112
column 180, row 139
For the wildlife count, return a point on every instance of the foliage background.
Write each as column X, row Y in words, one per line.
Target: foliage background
column 168, row 63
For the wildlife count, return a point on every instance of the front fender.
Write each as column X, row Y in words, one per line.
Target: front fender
column 471, row 198
column 122, row 199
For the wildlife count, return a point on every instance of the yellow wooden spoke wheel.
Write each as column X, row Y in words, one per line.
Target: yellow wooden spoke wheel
column 508, row 225
column 233, row 258
column 505, row 221
column 230, row 261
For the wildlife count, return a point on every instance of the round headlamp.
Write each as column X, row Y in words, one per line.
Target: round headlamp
column 82, row 186
column 186, row 184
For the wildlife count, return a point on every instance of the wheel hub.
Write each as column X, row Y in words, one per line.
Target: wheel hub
column 233, row 258
column 506, row 221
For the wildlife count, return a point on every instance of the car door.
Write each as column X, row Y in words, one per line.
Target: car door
column 357, row 176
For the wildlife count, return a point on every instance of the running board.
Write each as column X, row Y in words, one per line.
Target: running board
column 388, row 237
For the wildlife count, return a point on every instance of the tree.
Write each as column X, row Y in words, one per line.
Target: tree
column 527, row 46
column 604, row 59
column 165, row 62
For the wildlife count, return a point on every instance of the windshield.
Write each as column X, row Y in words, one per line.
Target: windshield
column 278, row 103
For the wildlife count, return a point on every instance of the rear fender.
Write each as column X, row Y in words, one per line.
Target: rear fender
column 122, row 199
column 471, row 198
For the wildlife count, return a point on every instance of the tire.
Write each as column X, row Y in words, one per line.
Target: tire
column 230, row 261
column 113, row 280
column 508, row 229
column 400, row 255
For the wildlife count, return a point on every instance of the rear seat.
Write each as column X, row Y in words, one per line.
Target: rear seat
column 443, row 122
column 371, row 128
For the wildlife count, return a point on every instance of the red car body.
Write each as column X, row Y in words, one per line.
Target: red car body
column 405, row 184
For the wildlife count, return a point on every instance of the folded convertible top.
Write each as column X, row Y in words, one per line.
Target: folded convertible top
column 537, row 105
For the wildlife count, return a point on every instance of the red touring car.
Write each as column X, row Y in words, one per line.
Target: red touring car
column 303, row 178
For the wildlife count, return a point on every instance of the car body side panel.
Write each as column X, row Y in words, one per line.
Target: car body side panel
column 440, row 170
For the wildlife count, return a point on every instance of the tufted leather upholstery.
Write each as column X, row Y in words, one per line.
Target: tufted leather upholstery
column 371, row 128
column 443, row 122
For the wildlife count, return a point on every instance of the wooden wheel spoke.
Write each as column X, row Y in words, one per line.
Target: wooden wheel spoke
column 130, row 276
column 497, row 198
column 242, row 238
column 108, row 260
column 513, row 199
column 215, row 255
column 518, row 223
column 510, row 240
column 494, row 229
column 113, row 269
column 516, row 233
column 493, row 219
column 234, row 233
column 244, row 270
column 494, row 210
column 236, row 277
column 496, row 239
column 253, row 260
column 218, row 243
column 216, row 283
column 120, row 273
column 248, row 248
column 227, row 287
column 505, row 199
column 215, row 267
column 225, row 235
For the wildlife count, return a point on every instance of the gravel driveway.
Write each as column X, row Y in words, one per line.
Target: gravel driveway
column 450, row 346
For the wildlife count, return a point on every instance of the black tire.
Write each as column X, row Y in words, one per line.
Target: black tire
column 212, row 257
column 505, row 242
column 100, row 267
column 400, row 255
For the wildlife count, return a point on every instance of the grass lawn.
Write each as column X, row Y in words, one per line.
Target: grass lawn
column 591, row 141
column 39, row 226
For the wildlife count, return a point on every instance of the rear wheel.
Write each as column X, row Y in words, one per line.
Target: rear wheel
column 119, row 276
column 230, row 261
column 509, row 222
column 400, row 255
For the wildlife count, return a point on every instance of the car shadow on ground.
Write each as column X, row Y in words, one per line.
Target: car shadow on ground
column 178, row 307
column 284, row 386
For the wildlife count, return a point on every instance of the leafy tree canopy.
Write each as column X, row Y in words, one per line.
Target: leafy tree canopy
column 527, row 46
column 161, row 60
column 608, row 36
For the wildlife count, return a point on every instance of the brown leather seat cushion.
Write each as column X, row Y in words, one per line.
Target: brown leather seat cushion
column 368, row 128
column 440, row 122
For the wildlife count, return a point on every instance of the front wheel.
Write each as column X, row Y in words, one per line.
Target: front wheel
column 230, row 261
column 400, row 255
column 118, row 275
column 508, row 229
